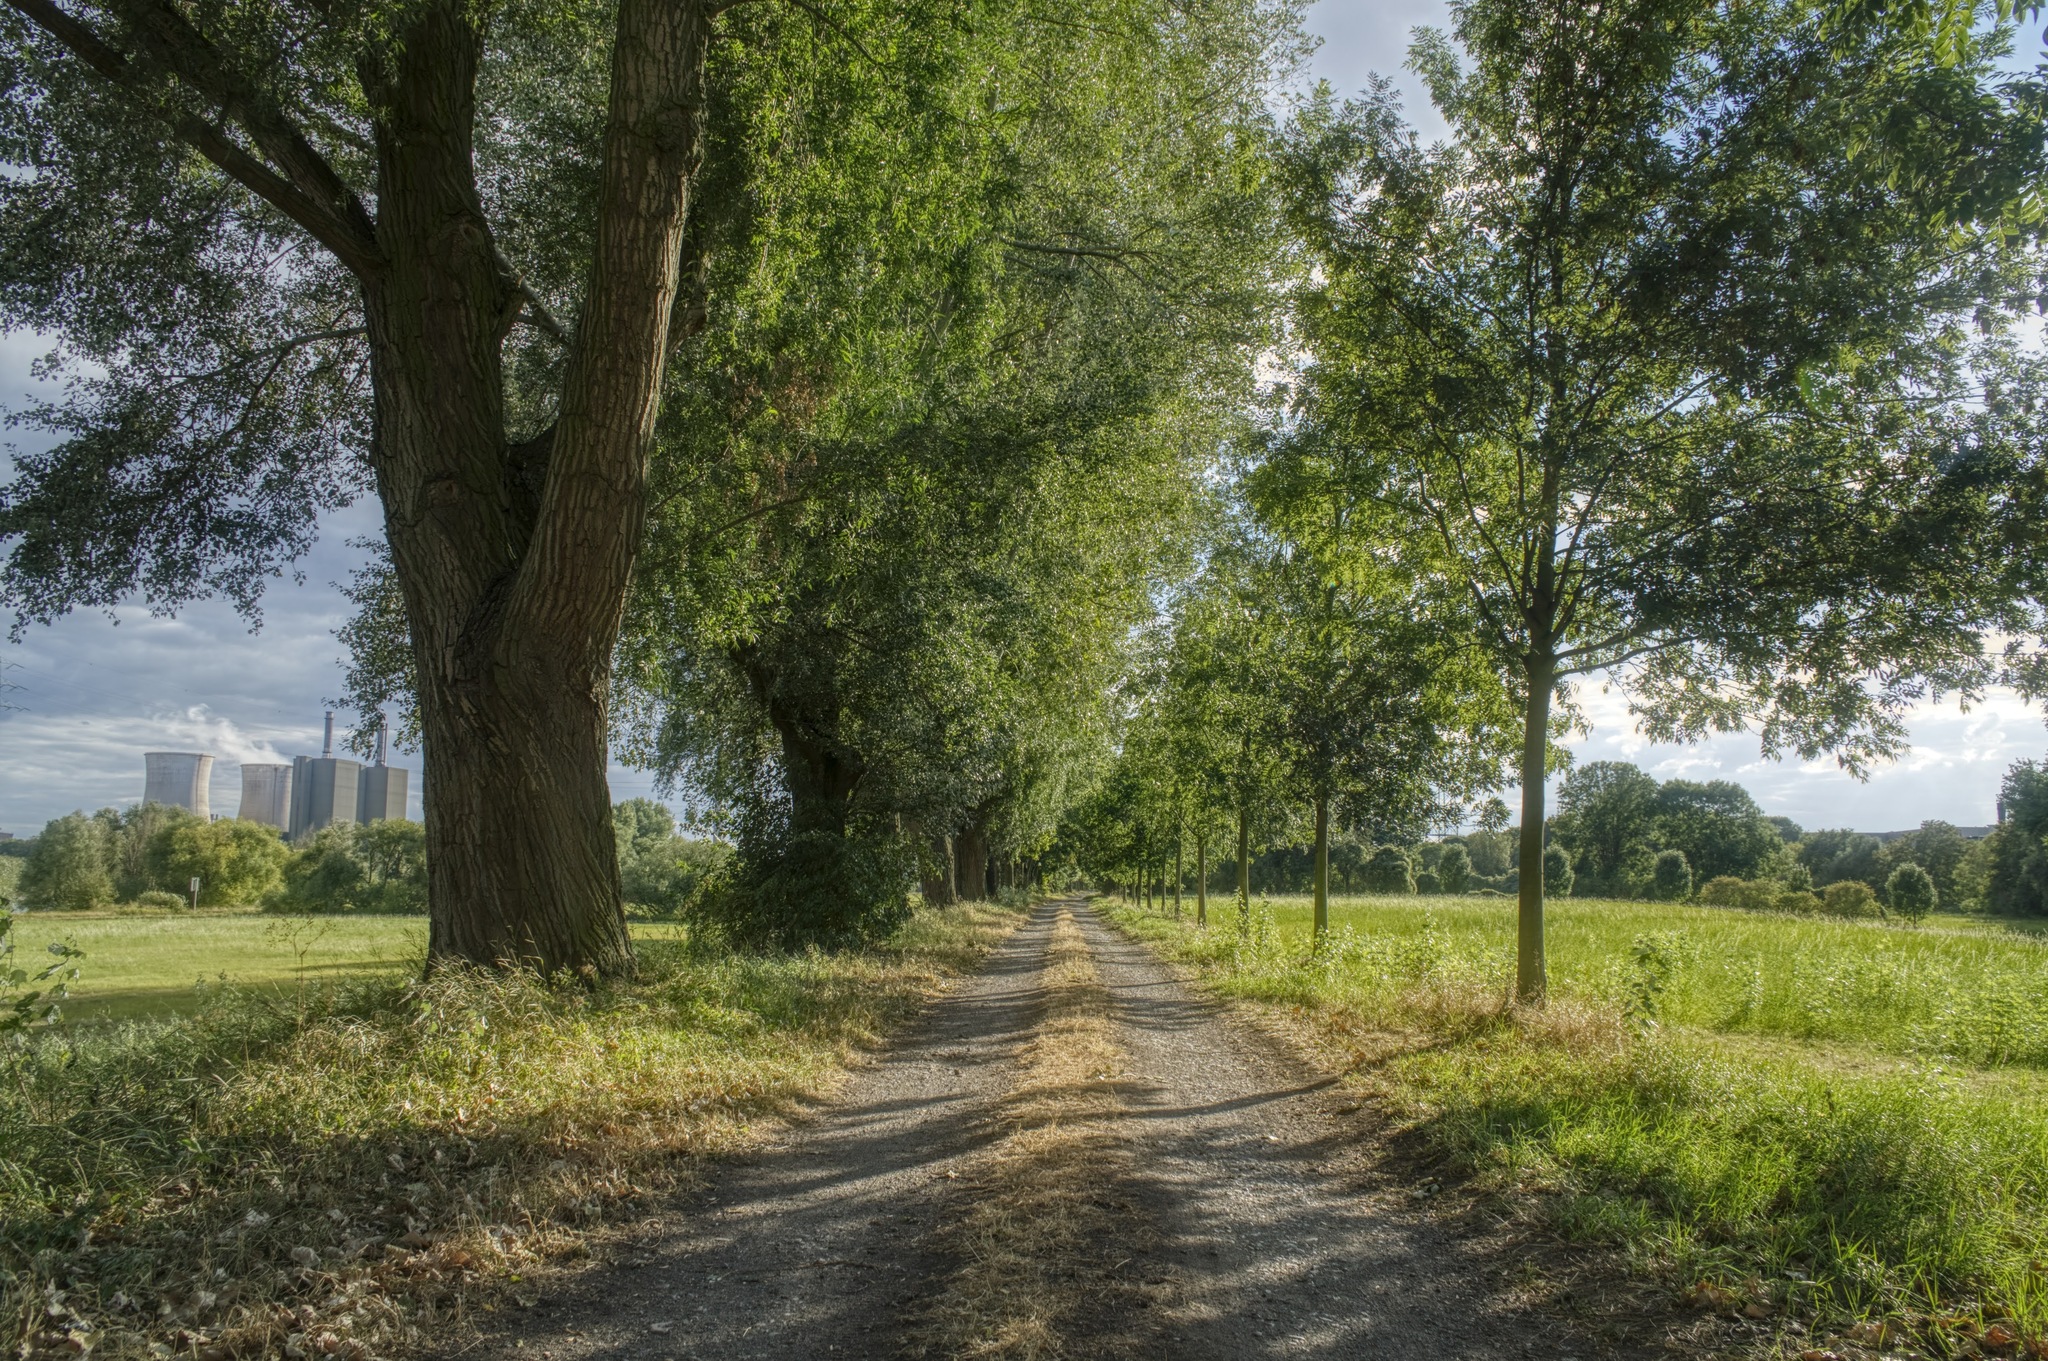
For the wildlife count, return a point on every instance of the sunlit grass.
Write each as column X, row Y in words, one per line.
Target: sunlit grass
column 1973, row 989
column 370, row 1150
column 142, row 964
column 1840, row 1118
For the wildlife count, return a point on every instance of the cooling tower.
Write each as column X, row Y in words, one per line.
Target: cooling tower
column 179, row 778
column 267, row 795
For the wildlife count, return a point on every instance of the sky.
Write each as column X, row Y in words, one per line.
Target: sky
column 95, row 693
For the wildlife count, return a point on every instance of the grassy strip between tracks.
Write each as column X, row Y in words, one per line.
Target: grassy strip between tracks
column 1037, row 1221
column 346, row 1170
column 1884, row 1194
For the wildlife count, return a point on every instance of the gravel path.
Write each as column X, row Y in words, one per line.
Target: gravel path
column 1253, row 1224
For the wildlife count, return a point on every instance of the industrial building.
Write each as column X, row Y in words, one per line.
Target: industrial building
column 177, row 778
column 267, row 795
column 327, row 789
column 380, row 793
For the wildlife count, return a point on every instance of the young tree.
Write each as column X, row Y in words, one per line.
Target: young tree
column 1910, row 893
column 1650, row 346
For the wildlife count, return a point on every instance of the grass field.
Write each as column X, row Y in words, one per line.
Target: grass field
column 1836, row 1120
column 257, row 1171
column 138, row 965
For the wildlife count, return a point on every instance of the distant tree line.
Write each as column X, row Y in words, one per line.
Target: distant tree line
column 1620, row 833
column 148, row 855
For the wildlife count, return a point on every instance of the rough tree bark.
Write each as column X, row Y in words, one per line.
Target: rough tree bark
column 970, row 858
column 938, row 888
column 513, row 558
column 1530, row 975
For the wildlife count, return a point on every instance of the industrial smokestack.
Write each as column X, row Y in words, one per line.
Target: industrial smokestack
column 327, row 742
column 383, row 736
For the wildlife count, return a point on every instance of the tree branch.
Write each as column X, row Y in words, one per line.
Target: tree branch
column 351, row 239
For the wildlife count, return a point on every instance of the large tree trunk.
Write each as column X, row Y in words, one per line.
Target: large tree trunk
column 970, row 858
column 938, row 888
column 1530, row 974
column 514, row 558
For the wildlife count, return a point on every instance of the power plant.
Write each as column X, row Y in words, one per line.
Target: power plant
column 267, row 795
column 178, row 778
column 310, row 793
column 380, row 793
column 327, row 789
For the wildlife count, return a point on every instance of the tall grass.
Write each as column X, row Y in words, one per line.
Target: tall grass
column 1957, row 989
column 1798, row 1112
column 334, row 1173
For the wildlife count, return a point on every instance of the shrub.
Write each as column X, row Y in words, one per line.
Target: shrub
column 787, row 889
column 234, row 861
column 1849, row 898
column 1751, row 895
column 380, row 867
column 1671, row 876
column 1427, row 882
column 1797, row 878
column 161, row 899
column 1454, row 869
column 1557, row 872
column 1389, row 871
column 1805, row 902
column 68, row 870
column 1911, row 890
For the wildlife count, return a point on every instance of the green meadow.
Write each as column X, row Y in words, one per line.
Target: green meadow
column 139, row 965
column 1833, row 1119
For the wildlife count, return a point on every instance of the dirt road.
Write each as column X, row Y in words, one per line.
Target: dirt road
column 1074, row 1155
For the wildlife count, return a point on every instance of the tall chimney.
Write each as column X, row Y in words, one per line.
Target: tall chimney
column 383, row 736
column 327, row 743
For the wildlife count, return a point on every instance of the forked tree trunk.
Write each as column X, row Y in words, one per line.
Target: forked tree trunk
column 1530, row 973
column 514, row 559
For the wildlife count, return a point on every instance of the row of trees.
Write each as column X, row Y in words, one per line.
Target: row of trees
column 1686, row 360
column 868, row 416
column 804, row 402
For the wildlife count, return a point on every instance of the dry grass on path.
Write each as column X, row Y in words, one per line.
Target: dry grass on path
column 1043, row 1224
